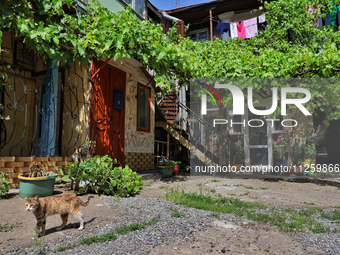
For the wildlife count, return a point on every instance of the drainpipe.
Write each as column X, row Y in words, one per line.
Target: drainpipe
column 180, row 22
column 211, row 27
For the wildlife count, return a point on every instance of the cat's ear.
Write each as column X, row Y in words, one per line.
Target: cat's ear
column 26, row 198
column 36, row 198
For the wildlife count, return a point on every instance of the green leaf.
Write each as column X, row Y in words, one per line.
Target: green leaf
column 325, row 122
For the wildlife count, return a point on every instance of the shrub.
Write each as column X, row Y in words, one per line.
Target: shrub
column 4, row 185
column 100, row 176
column 125, row 182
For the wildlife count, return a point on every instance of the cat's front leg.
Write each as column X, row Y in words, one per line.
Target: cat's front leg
column 43, row 229
column 41, row 225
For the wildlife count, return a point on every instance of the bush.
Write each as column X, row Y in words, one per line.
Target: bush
column 100, row 176
column 4, row 185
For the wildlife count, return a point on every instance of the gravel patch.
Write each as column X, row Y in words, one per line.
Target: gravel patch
column 189, row 231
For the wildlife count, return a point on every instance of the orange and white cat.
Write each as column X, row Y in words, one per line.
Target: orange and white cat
column 62, row 204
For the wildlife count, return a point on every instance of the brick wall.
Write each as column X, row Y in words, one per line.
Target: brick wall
column 140, row 161
column 15, row 166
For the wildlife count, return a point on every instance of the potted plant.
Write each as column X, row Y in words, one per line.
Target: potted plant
column 175, row 170
column 301, row 149
column 297, row 155
column 281, row 147
column 165, row 167
column 37, row 182
column 310, row 152
column 237, row 155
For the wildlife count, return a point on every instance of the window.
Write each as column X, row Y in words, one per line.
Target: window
column 199, row 35
column 137, row 5
column 143, row 108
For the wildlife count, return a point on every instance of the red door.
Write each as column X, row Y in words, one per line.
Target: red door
column 107, row 122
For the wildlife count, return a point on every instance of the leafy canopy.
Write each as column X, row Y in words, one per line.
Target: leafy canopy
column 290, row 47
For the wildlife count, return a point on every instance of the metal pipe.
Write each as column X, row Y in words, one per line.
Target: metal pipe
column 180, row 22
column 211, row 27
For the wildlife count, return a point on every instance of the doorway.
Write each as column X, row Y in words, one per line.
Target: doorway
column 108, row 116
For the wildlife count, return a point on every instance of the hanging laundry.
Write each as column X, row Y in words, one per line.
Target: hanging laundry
column 328, row 19
column 233, row 30
column 262, row 23
column 333, row 14
column 250, row 26
column 241, row 31
column 262, row 18
column 223, row 27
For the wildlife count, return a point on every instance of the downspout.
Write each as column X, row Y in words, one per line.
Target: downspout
column 180, row 22
column 211, row 27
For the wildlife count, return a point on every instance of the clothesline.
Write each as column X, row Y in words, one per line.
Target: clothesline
column 246, row 29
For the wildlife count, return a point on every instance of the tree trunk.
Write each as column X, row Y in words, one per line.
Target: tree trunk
column 318, row 134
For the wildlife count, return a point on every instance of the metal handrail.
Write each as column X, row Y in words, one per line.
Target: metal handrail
column 206, row 126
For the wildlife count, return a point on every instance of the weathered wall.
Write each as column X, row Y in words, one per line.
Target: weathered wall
column 15, row 166
column 136, row 141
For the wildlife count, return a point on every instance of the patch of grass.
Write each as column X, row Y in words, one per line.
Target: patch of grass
column 286, row 218
column 135, row 226
column 162, row 187
column 214, row 180
column 213, row 190
column 308, row 203
column 111, row 235
column 226, row 184
column 132, row 206
column 245, row 194
column 216, row 215
column 264, row 188
column 316, row 189
column 66, row 247
column 7, row 228
column 231, row 194
column 116, row 199
column 39, row 242
column 99, row 239
column 176, row 213
column 335, row 215
column 248, row 187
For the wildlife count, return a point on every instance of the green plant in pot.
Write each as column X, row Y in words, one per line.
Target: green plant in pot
column 37, row 182
column 310, row 148
column 282, row 145
column 165, row 166
column 175, row 170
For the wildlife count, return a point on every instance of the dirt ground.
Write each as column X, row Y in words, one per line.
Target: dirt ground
column 219, row 236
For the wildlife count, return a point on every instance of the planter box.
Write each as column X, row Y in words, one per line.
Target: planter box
column 165, row 171
column 33, row 186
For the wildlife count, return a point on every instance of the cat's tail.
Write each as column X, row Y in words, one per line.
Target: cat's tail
column 87, row 202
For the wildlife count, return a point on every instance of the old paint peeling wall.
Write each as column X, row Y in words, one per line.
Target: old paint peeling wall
column 135, row 141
